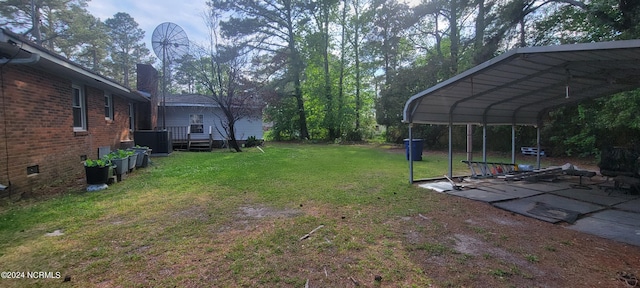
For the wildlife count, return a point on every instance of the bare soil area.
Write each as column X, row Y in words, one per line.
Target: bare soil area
column 474, row 244
column 464, row 244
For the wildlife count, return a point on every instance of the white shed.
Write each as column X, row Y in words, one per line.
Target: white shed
column 198, row 118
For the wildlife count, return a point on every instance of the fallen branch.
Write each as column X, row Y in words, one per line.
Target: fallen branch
column 355, row 282
column 423, row 217
column 312, row 231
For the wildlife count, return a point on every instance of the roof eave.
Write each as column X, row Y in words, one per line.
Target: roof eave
column 56, row 64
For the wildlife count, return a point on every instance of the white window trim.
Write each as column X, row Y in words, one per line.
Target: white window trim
column 108, row 102
column 202, row 124
column 83, row 108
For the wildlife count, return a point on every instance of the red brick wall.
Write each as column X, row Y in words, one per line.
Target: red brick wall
column 36, row 114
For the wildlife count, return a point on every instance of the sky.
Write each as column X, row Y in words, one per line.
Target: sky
column 149, row 14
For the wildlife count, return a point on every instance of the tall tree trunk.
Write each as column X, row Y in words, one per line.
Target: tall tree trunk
column 455, row 36
column 356, row 48
column 523, row 32
column 438, row 37
column 35, row 20
column 343, row 48
column 478, row 43
column 233, row 142
column 296, row 69
column 330, row 118
column 94, row 56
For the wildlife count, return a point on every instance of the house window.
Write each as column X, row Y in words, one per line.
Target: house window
column 79, row 109
column 196, row 121
column 108, row 106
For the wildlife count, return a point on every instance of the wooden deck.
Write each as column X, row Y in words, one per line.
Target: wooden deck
column 182, row 139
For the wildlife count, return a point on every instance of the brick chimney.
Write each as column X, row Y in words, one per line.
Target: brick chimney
column 148, row 83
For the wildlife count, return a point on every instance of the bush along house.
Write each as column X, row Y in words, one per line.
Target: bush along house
column 55, row 114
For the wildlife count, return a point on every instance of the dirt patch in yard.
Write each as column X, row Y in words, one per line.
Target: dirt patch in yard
column 464, row 243
column 263, row 211
column 472, row 244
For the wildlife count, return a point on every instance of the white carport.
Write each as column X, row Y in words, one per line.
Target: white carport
column 521, row 85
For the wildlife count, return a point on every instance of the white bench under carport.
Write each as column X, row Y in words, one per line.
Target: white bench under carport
column 531, row 151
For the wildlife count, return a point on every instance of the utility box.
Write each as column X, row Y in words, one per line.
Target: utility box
column 159, row 141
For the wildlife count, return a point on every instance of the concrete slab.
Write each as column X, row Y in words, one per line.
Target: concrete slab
column 516, row 191
column 545, row 210
column 596, row 196
column 544, row 187
column 481, row 195
column 612, row 224
column 491, row 188
column 631, row 205
column 609, row 214
column 524, row 205
column 566, row 203
column 618, row 216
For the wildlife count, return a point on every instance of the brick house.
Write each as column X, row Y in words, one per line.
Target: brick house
column 54, row 114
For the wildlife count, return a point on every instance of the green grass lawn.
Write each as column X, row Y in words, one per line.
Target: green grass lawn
column 225, row 219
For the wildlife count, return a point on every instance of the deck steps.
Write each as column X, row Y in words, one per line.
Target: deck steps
column 199, row 145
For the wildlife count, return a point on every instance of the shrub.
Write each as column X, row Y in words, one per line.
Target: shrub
column 252, row 141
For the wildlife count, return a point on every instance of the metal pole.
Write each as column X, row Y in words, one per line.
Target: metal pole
column 484, row 142
column 513, row 143
column 450, row 147
column 164, row 86
column 411, row 153
column 538, row 141
column 469, row 142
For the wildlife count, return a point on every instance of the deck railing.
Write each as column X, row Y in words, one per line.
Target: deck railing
column 181, row 137
column 179, row 134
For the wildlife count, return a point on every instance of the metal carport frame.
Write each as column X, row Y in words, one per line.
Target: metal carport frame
column 521, row 85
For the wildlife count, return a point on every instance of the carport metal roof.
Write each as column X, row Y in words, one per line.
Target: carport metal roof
column 521, row 85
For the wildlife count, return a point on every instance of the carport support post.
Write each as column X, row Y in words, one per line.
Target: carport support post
column 450, row 146
column 484, row 142
column 513, row 143
column 469, row 142
column 538, row 143
column 410, row 154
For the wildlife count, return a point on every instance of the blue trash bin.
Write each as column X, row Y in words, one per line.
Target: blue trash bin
column 417, row 147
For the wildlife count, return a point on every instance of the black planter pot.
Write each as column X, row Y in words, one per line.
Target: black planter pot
column 97, row 175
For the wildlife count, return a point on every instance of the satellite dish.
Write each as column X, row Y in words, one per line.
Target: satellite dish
column 169, row 42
